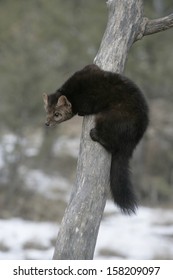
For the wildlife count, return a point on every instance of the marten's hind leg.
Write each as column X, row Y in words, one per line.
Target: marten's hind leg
column 94, row 136
column 114, row 132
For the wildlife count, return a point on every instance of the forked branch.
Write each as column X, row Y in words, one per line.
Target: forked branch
column 149, row 27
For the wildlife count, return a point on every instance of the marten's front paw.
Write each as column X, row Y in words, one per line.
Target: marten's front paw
column 81, row 114
column 93, row 134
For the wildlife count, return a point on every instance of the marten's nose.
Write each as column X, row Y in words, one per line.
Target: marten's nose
column 46, row 123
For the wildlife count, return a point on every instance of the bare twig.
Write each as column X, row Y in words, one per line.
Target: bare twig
column 149, row 27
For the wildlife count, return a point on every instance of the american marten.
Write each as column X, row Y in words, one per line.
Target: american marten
column 121, row 118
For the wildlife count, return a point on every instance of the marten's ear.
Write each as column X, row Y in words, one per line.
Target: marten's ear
column 45, row 99
column 63, row 101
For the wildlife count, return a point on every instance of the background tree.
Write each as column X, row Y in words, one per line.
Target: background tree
column 80, row 225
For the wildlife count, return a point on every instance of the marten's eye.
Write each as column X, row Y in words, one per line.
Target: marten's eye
column 58, row 114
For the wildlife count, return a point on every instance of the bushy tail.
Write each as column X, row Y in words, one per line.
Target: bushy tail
column 121, row 187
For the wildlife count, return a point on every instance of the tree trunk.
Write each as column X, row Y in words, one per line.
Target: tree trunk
column 78, row 232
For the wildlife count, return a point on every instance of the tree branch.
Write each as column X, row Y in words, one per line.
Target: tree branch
column 149, row 27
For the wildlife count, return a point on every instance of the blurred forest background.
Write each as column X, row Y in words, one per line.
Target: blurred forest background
column 41, row 44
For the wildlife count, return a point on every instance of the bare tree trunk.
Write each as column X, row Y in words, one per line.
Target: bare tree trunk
column 78, row 232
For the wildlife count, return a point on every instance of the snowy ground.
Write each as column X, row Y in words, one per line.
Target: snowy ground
column 148, row 235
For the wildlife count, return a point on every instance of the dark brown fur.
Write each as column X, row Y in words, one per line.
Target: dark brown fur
column 120, row 122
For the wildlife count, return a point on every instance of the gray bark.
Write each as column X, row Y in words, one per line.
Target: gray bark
column 158, row 25
column 79, row 228
column 78, row 232
column 149, row 27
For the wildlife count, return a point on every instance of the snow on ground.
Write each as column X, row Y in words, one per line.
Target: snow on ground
column 147, row 235
column 17, row 234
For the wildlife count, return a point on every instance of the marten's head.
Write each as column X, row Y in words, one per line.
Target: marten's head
column 58, row 109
